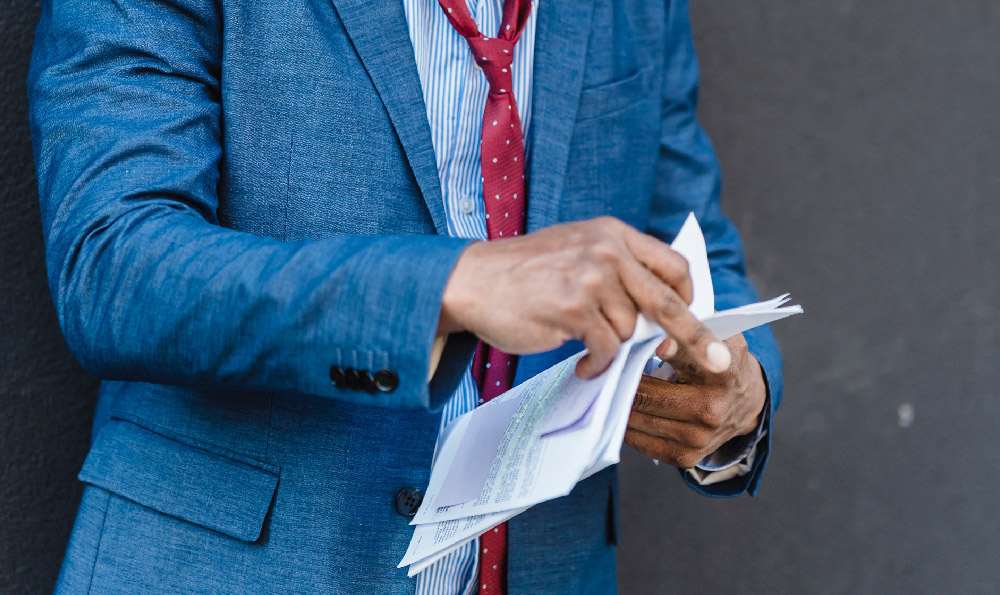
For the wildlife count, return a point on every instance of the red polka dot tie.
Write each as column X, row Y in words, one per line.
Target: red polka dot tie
column 502, row 159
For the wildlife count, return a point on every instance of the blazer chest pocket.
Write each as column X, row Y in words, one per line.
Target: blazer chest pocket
column 176, row 477
column 615, row 95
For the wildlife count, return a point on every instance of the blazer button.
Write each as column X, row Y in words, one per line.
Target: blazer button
column 408, row 501
column 337, row 377
column 352, row 379
column 386, row 381
column 367, row 382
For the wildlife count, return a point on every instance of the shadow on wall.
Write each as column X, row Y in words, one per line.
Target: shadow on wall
column 46, row 400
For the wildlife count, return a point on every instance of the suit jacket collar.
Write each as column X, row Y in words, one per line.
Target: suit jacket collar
column 378, row 30
column 563, row 28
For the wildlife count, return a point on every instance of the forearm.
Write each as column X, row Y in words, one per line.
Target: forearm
column 164, row 297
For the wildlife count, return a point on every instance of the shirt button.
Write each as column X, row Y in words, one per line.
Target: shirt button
column 466, row 206
column 408, row 501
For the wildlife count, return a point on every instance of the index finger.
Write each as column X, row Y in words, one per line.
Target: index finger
column 664, row 306
column 660, row 258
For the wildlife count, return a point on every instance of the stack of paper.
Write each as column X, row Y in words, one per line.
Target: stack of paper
column 537, row 440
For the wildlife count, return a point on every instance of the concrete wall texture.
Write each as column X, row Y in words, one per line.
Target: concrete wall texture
column 860, row 146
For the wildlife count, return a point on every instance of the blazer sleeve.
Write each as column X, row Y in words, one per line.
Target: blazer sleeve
column 689, row 181
column 125, row 120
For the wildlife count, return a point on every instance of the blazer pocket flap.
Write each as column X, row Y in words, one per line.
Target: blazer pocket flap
column 615, row 95
column 219, row 492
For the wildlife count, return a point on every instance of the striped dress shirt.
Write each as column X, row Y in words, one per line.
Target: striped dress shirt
column 455, row 91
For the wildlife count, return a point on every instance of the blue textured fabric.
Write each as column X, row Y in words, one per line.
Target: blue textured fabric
column 237, row 196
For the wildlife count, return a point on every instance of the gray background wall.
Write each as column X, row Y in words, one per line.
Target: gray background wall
column 860, row 143
column 860, row 146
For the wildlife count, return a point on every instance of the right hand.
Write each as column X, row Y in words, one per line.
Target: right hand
column 586, row 280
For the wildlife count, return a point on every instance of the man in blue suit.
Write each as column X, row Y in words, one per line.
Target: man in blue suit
column 260, row 221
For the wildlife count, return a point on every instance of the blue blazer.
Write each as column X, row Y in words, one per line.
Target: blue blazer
column 239, row 196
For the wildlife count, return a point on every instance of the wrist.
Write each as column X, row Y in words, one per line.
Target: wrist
column 458, row 297
column 755, row 391
column 758, row 388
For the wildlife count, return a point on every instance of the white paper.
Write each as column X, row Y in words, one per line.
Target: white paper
column 538, row 440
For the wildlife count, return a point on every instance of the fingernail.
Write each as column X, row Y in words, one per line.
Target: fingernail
column 718, row 357
column 671, row 349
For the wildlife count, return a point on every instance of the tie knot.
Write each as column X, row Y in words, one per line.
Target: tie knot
column 494, row 55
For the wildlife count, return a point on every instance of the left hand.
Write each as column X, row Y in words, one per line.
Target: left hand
column 682, row 422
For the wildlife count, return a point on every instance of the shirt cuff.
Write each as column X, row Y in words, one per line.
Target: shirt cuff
column 737, row 469
column 735, row 458
column 738, row 449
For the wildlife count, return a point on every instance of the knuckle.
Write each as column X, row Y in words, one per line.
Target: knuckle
column 711, row 413
column 700, row 334
column 700, row 440
column 670, row 306
column 591, row 280
column 684, row 458
column 642, row 400
column 689, row 460
column 604, row 250
column 677, row 266
column 624, row 327
column 577, row 303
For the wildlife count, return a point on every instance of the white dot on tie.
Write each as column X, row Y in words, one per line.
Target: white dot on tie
column 494, row 160
column 515, row 159
column 497, row 197
column 505, row 178
column 515, row 195
column 515, row 233
column 485, row 38
column 484, row 551
column 484, row 586
column 503, row 90
column 508, row 141
column 506, row 214
column 511, row 125
column 494, row 567
column 449, row 11
column 496, row 530
column 494, row 122
column 487, row 215
column 505, row 51
column 498, row 384
column 484, row 58
column 508, row 29
column 501, row 234
column 503, row 70
column 487, row 365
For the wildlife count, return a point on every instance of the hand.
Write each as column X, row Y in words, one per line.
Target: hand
column 682, row 422
column 585, row 280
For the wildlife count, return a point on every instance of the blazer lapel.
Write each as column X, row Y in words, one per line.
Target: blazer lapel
column 563, row 29
column 377, row 29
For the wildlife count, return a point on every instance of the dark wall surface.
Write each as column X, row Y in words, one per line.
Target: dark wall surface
column 860, row 147
column 46, row 400
column 860, row 143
